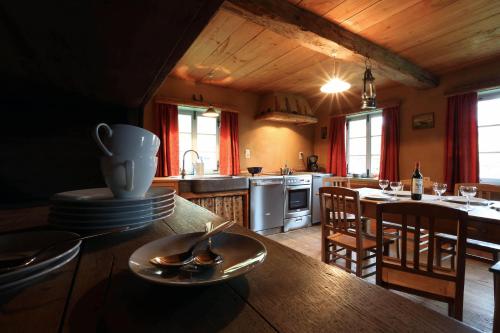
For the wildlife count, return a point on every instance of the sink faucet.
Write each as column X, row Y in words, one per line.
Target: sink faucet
column 183, row 171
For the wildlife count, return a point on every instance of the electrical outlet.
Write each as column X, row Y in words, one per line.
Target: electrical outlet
column 301, row 155
column 247, row 153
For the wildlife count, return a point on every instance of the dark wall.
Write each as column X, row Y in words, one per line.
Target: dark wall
column 46, row 145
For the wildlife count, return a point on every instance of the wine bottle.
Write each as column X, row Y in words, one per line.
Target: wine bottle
column 417, row 183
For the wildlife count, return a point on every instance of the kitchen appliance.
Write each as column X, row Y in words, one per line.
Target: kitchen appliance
column 267, row 195
column 316, row 184
column 312, row 163
column 254, row 170
column 297, row 201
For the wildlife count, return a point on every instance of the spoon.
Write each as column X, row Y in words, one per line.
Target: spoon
column 10, row 264
column 186, row 257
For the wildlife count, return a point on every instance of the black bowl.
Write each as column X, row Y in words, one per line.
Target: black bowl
column 254, row 170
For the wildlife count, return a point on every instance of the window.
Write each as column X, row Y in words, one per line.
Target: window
column 363, row 142
column 201, row 134
column 488, row 123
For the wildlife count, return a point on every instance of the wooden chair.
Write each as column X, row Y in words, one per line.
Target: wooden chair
column 427, row 185
column 423, row 277
column 495, row 269
column 339, row 234
column 445, row 244
column 337, row 182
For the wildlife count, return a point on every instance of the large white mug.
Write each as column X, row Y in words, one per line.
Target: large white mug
column 126, row 140
column 127, row 177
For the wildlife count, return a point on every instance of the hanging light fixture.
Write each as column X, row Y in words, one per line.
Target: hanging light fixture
column 335, row 85
column 210, row 112
column 368, row 95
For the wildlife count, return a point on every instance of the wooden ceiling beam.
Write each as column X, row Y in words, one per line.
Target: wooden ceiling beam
column 322, row 35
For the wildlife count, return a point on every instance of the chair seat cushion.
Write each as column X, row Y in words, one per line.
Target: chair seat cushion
column 349, row 241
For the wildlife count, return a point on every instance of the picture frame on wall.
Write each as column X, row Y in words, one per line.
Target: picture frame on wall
column 423, row 121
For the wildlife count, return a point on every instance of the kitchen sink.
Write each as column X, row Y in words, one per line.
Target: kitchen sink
column 211, row 183
column 218, row 184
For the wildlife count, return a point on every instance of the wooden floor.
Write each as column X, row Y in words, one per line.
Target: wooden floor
column 478, row 301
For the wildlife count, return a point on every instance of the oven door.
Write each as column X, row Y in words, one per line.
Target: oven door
column 297, row 201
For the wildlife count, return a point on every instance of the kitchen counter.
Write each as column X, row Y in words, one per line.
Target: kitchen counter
column 289, row 292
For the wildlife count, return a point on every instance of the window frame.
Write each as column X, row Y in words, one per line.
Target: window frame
column 367, row 117
column 195, row 113
column 485, row 96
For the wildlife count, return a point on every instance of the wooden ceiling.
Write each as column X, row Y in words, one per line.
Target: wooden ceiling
column 437, row 35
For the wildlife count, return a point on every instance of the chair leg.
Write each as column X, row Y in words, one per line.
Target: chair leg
column 495, row 256
column 438, row 252
column 397, row 243
column 348, row 263
column 324, row 247
column 359, row 263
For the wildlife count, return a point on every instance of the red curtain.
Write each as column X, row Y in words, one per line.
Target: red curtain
column 336, row 149
column 389, row 154
column 462, row 156
column 166, row 120
column 229, row 144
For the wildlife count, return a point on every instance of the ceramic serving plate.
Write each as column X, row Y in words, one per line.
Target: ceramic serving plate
column 377, row 197
column 133, row 224
column 72, row 209
column 30, row 278
column 27, row 243
column 241, row 254
column 463, row 200
column 104, row 197
column 106, row 217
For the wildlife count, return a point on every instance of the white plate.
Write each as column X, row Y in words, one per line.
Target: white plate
column 103, row 197
column 400, row 193
column 110, row 215
column 32, row 241
column 240, row 253
column 90, row 227
column 109, row 209
column 463, row 200
column 37, row 274
column 377, row 197
column 121, row 221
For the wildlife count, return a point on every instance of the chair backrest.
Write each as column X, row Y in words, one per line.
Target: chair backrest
column 417, row 218
column 427, row 185
column 485, row 191
column 337, row 182
column 335, row 204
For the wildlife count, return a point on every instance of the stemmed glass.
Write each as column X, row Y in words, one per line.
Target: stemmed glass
column 468, row 192
column 396, row 186
column 439, row 189
column 383, row 183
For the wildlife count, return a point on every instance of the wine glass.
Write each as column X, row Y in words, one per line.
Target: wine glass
column 395, row 186
column 383, row 183
column 468, row 192
column 439, row 189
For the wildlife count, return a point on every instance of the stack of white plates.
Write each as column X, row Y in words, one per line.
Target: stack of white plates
column 97, row 208
column 25, row 244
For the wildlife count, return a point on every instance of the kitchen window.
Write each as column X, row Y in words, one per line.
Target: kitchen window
column 201, row 134
column 488, row 123
column 363, row 144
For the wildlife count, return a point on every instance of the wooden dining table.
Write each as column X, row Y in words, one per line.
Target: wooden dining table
column 289, row 292
column 483, row 222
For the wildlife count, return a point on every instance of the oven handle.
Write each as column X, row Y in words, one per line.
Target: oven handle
column 298, row 187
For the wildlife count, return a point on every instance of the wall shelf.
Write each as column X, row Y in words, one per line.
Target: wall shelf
column 286, row 117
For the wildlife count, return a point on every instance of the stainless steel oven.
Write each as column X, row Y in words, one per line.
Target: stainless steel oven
column 297, row 201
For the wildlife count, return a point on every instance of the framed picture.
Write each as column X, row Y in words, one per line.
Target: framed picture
column 323, row 132
column 424, row 120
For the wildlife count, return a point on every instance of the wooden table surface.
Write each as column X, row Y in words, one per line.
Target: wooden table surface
column 289, row 292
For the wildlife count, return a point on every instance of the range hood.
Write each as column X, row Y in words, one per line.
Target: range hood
column 285, row 107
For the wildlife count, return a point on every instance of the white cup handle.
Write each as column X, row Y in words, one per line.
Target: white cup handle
column 129, row 175
column 97, row 139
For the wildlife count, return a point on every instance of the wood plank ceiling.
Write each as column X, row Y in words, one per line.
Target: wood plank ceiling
column 437, row 35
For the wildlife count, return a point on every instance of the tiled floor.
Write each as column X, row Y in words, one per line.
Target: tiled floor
column 478, row 300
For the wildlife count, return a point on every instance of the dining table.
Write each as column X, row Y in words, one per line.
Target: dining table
column 288, row 292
